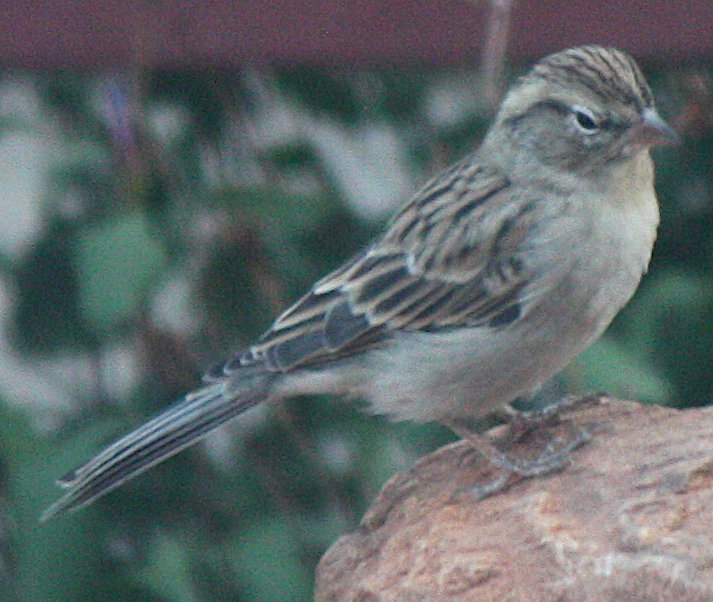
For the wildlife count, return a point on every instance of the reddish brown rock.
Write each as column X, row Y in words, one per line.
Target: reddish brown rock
column 630, row 518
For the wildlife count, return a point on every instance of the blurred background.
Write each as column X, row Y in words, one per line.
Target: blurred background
column 172, row 176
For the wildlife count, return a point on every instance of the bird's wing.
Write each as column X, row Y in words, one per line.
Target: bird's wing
column 452, row 257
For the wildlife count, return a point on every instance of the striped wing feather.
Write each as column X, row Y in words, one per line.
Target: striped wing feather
column 450, row 258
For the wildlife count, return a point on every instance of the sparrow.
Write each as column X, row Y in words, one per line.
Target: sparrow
column 488, row 281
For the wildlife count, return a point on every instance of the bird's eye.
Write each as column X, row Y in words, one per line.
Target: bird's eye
column 585, row 120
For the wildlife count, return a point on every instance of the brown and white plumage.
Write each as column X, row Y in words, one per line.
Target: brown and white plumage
column 494, row 276
column 435, row 268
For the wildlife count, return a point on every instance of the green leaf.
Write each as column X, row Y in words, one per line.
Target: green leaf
column 272, row 548
column 169, row 569
column 58, row 559
column 620, row 370
column 118, row 263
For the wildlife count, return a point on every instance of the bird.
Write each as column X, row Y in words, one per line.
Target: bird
column 485, row 284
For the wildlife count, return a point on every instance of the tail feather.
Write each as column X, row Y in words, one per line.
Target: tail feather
column 163, row 436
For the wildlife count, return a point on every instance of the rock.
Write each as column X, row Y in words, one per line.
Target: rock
column 629, row 518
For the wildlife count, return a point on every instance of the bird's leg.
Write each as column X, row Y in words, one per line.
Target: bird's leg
column 553, row 458
column 522, row 422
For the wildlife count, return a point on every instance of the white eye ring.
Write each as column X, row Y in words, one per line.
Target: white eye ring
column 585, row 120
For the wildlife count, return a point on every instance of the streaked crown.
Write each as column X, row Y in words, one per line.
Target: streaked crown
column 608, row 72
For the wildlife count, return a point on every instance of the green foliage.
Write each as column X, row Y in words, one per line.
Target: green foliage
column 232, row 209
column 49, row 561
column 47, row 312
column 117, row 263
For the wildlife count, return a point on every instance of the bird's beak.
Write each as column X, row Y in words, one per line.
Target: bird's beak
column 653, row 131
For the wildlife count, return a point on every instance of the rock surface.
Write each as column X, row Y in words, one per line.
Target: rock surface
column 629, row 518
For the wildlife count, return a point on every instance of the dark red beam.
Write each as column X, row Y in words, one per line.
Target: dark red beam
column 102, row 34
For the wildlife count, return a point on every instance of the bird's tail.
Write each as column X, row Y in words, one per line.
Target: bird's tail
column 176, row 428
